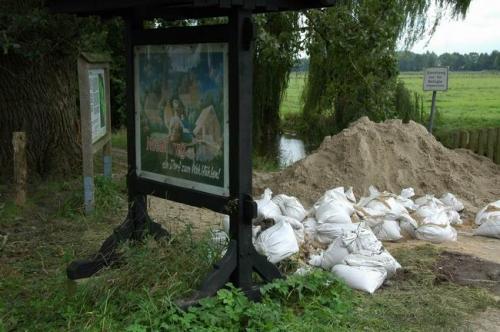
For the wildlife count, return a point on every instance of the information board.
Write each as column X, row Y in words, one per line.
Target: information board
column 97, row 99
column 436, row 79
column 181, row 104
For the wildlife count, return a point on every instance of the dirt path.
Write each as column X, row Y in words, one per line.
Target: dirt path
column 477, row 246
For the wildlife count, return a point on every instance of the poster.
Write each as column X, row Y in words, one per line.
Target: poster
column 181, row 102
column 97, row 104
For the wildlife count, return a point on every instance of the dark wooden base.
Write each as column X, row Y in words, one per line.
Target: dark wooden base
column 136, row 226
column 225, row 272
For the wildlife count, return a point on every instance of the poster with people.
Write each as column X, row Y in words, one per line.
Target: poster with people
column 181, row 101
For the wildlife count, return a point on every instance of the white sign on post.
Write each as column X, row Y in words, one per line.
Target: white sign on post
column 436, row 79
column 97, row 98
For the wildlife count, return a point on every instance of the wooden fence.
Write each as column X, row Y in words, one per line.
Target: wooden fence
column 485, row 142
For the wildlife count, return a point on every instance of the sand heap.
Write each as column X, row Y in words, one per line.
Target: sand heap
column 392, row 156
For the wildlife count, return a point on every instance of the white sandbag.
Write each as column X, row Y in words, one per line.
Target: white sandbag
column 334, row 255
column 407, row 203
column 490, row 228
column 334, row 212
column 450, row 200
column 431, row 214
column 407, row 192
column 489, row 212
column 367, row 279
column 298, row 227
column 255, row 232
column 327, row 233
column 408, row 228
column 388, row 230
column 384, row 203
column 349, row 194
column 277, row 242
column 384, row 260
column 454, row 217
column 429, row 200
column 266, row 208
column 290, row 206
column 361, row 240
column 310, row 225
column 435, row 233
column 336, row 194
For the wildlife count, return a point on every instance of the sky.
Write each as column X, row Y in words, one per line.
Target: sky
column 478, row 32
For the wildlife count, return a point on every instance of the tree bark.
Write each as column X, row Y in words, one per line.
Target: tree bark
column 39, row 98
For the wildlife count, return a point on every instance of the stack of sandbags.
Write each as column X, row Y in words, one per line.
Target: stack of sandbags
column 434, row 220
column 283, row 238
column 488, row 219
column 384, row 212
column 332, row 214
column 358, row 258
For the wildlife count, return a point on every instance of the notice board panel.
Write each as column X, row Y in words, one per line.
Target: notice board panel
column 181, row 109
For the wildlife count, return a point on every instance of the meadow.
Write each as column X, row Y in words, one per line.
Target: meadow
column 472, row 101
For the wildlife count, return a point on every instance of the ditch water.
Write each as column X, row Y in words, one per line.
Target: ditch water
column 290, row 149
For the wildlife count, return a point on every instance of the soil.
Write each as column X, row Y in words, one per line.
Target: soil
column 391, row 156
column 468, row 270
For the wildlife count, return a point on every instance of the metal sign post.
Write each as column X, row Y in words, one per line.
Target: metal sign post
column 95, row 115
column 435, row 79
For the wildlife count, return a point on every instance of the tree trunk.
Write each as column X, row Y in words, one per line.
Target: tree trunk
column 40, row 99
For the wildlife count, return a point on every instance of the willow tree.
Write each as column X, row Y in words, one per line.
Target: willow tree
column 353, row 62
column 38, row 85
column 276, row 50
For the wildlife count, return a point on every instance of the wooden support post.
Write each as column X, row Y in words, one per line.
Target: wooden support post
column 464, row 139
column 490, row 146
column 483, row 140
column 107, row 160
column 473, row 140
column 87, row 150
column 497, row 149
column 20, row 166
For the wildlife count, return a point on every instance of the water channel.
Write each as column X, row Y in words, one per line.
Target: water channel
column 290, row 150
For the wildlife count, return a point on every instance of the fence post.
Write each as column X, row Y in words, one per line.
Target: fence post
column 464, row 139
column 492, row 137
column 497, row 152
column 483, row 141
column 20, row 166
column 474, row 140
column 455, row 139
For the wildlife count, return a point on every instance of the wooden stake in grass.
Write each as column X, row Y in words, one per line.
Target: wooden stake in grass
column 20, row 166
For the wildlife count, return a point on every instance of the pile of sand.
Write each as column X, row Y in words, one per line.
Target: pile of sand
column 392, row 156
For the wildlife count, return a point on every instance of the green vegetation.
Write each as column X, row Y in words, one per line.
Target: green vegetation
column 472, row 101
column 119, row 139
column 292, row 100
column 139, row 294
column 409, row 61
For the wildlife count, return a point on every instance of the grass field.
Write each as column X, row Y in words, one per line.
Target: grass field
column 472, row 101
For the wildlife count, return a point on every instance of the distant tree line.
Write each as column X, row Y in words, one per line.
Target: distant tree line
column 409, row 61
